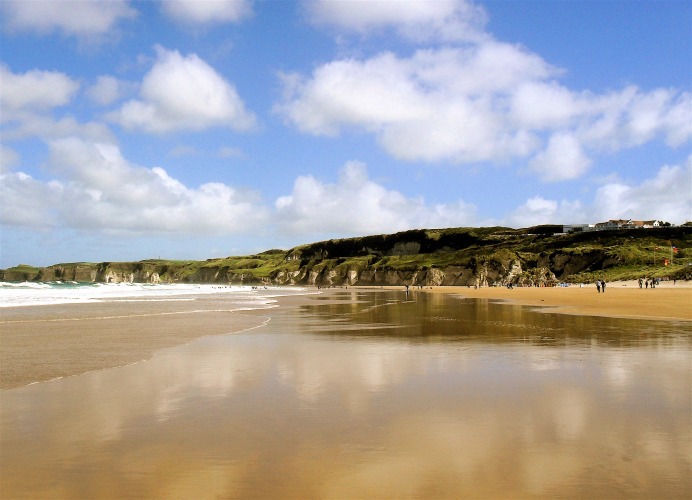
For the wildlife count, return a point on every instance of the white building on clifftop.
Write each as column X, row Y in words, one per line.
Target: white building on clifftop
column 613, row 224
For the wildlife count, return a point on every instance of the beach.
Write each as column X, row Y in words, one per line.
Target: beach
column 48, row 342
column 87, row 337
column 623, row 299
column 351, row 393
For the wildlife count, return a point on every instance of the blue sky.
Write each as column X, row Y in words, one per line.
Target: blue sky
column 206, row 128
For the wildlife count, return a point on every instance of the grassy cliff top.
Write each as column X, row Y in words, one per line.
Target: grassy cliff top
column 618, row 254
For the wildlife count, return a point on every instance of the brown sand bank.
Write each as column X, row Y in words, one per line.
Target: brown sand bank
column 46, row 342
column 621, row 299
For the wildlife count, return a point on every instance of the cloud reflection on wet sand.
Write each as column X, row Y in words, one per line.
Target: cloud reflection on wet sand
column 276, row 413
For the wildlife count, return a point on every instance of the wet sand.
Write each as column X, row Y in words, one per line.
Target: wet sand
column 621, row 299
column 47, row 342
column 363, row 394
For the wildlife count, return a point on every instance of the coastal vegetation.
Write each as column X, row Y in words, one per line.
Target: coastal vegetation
column 491, row 256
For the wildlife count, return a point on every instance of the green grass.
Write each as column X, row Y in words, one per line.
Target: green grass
column 612, row 255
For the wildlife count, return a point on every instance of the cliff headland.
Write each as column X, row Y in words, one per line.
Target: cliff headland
column 492, row 256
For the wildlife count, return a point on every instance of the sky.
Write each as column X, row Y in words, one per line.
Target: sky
column 198, row 129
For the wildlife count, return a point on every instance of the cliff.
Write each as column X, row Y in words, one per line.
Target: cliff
column 458, row 256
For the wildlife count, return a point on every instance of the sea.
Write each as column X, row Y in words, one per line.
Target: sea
column 23, row 294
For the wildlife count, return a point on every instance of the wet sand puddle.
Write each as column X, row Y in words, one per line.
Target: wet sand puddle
column 364, row 394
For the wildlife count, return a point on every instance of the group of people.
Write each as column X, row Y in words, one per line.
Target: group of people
column 646, row 283
column 600, row 285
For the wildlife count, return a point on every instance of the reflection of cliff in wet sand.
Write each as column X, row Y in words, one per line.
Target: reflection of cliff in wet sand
column 356, row 393
column 57, row 341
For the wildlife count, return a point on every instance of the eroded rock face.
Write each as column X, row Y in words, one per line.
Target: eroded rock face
column 338, row 272
column 405, row 248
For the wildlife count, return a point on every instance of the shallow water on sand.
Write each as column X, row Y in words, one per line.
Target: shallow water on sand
column 361, row 394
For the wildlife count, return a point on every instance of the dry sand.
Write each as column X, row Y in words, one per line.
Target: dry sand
column 621, row 299
column 42, row 343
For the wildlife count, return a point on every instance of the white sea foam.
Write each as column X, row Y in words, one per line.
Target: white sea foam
column 60, row 292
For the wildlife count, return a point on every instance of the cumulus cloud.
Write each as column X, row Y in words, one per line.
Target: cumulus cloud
column 357, row 205
column 47, row 128
column 562, row 159
column 9, row 159
column 108, row 89
column 183, row 93
column 96, row 188
column 539, row 105
column 436, row 105
column 27, row 202
column 70, row 17
column 414, row 19
column 34, row 90
column 630, row 117
column 207, row 11
column 665, row 196
column 28, row 102
column 479, row 101
column 538, row 210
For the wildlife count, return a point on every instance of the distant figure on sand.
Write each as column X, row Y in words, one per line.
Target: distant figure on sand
column 641, row 282
column 603, row 285
column 598, row 285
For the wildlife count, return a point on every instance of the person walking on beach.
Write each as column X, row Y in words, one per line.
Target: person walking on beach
column 598, row 285
column 640, row 282
column 603, row 285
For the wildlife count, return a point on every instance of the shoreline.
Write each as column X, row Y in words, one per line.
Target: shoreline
column 44, row 343
column 622, row 299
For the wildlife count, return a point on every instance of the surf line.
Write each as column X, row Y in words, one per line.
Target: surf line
column 126, row 316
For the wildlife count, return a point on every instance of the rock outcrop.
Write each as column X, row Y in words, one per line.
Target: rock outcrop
column 461, row 256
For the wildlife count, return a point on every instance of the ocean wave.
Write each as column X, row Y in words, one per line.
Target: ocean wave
column 70, row 292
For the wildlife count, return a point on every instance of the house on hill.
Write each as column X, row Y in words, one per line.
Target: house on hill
column 627, row 224
column 613, row 224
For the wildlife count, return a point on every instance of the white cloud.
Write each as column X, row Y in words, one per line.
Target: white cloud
column 207, row 11
column 27, row 202
column 484, row 102
column 630, row 118
column 183, row 93
column 70, row 17
column 413, row 19
column 541, row 105
column 29, row 100
column 658, row 112
column 46, row 128
column 664, row 197
column 563, row 159
column 437, row 105
column 97, row 189
column 34, row 90
column 678, row 120
column 357, row 205
column 538, row 210
column 108, row 89
column 9, row 159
